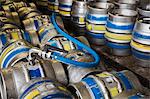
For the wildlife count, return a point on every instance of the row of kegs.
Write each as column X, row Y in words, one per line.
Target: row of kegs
column 30, row 50
column 121, row 25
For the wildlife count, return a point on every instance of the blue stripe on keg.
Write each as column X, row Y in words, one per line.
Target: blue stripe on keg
column 96, row 35
column 94, row 87
column 93, row 18
column 26, row 36
column 30, row 87
column 57, row 95
column 120, row 27
column 3, row 39
column 43, row 34
column 36, row 24
column 65, row 6
column 125, row 81
column 117, row 46
column 13, row 54
column 138, row 35
column 135, row 97
column 34, row 73
column 141, row 55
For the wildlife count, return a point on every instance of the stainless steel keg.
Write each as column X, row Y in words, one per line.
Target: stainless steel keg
column 141, row 41
column 14, row 52
column 106, row 85
column 141, row 32
column 119, row 27
column 30, row 81
column 78, row 13
column 96, row 18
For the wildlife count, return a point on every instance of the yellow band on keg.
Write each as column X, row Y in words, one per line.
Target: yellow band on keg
column 15, row 35
column 118, row 36
column 7, row 50
column 140, row 46
column 62, row 88
column 81, row 19
column 56, row 7
column 50, row 7
column 95, row 27
column 41, row 31
column 32, row 94
column 64, row 12
column 113, row 91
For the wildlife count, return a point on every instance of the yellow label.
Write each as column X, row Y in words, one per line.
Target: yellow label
column 15, row 35
column 81, row 19
column 140, row 46
column 104, row 75
column 41, row 31
column 51, row 7
column 64, row 12
column 56, row 7
column 62, row 88
column 118, row 36
column 32, row 94
column 95, row 27
column 66, row 47
column 114, row 91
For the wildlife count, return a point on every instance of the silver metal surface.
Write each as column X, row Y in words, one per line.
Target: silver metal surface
column 142, row 27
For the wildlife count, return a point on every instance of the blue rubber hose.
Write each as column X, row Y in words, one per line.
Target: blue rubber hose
column 73, row 62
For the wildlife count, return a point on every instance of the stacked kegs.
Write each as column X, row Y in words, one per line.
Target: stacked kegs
column 119, row 28
column 105, row 85
column 141, row 41
column 65, row 7
column 78, row 14
column 31, row 80
column 96, row 18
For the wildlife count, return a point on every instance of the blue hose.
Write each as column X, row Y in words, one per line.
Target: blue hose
column 73, row 62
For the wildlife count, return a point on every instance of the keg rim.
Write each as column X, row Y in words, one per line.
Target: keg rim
column 122, row 14
column 99, row 6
